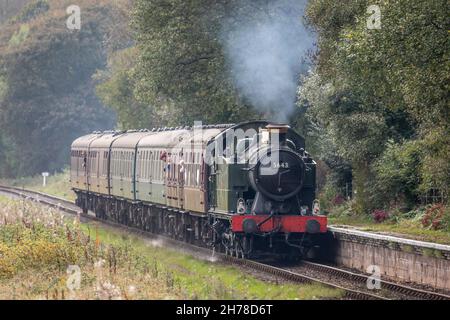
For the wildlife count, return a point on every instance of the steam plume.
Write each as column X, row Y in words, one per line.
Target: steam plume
column 265, row 55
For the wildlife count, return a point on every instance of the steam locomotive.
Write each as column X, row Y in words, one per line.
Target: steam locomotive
column 245, row 189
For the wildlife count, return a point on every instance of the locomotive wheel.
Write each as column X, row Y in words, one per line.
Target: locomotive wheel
column 238, row 250
column 206, row 234
column 244, row 247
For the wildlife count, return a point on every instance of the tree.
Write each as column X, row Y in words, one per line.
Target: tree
column 382, row 84
column 116, row 89
column 47, row 71
column 181, row 62
column 187, row 58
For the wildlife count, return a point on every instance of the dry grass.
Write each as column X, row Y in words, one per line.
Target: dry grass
column 37, row 245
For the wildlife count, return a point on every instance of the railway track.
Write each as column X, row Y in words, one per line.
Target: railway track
column 358, row 281
column 352, row 284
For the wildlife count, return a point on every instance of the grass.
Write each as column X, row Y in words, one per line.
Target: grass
column 402, row 224
column 37, row 246
column 202, row 279
column 58, row 184
column 20, row 36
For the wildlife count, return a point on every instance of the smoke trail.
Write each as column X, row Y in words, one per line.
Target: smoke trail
column 264, row 51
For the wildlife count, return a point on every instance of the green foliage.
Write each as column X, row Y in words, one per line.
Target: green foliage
column 435, row 163
column 50, row 97
column 380, row 97
column 116, row 89
column 3, row 88
column 326, row 196
column 203, row 279
column 20, row 36
column 181, row 62
column 32, row 10
column 399, row 222
column 397, row 173
column 436, row 217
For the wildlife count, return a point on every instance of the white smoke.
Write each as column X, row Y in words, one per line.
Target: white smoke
column 265, row 55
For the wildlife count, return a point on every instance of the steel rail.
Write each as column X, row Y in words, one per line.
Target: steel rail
column 391, row 286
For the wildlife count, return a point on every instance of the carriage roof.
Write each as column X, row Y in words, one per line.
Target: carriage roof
column 84, row 141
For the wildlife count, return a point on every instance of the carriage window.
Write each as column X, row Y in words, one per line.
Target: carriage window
column 139, row 167
column 119, row 163
column 127, row 171
column 112, row 165
column 154, row 166
column 144, row 171
column 146, row 166
column 125, row 164
column 116, row 163
column 152, row 163
column 143, row 165
column 116, row 167
column 131, row 164
column 128, row 165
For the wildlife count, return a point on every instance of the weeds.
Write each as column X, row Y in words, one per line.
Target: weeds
column 36, row 241
column 428, row 223
column 436, row 217
column 37, row 245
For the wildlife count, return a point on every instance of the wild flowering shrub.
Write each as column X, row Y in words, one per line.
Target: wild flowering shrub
column 338, row 200
column 33, row 238
column 37, row 245
column 434, row 217
column 380, row 215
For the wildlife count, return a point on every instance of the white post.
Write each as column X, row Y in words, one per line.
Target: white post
column 44, row 175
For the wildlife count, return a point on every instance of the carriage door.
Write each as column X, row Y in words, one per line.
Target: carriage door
column 201, row 179
column 169, row 182
column 172, row 181
column 181, row 177
column 87, row 164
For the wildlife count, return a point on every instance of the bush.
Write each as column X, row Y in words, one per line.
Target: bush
column 345, row 212
column 436, row 217
column 435, row 164
column 380, row 215
column 396, row 174
column 326, row 197
column 20, row 36
column 338, row 200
